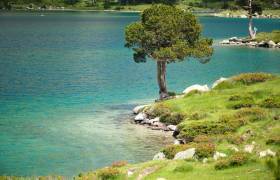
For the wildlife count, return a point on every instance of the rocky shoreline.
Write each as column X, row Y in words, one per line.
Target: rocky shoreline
column 234, row 41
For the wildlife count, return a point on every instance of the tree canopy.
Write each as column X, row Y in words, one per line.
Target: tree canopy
column 167, row 33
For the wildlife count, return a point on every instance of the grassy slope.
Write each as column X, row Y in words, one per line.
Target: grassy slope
column 214, row 104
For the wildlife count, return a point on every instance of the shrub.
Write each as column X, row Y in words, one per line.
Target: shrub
column 119, row 163
column 273, row 140
column 157, row 110
column 273, row 165
column 171, row 93
column 222, row 164
column 252, row 78
column 271, row 102
column 243, row 103
column 235, row 98
column 205, row 150
column 172, row 118
column 251, row 114
column 237, row 159
column 234, row 139
column 108, row 173
column 201, row 138
column 183, row 168
column 171, row 150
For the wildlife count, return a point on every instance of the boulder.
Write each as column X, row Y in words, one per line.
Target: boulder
column 263, row 44
column 271, row 44
column 243, row 16
column 249, row 148
column 222, row 79
column 218, row 155
column 159, row 156
column 139, row 109
column 140, row 117
column 252, row 43
column 267, row 152
column 197, row 87
column 187, row 154
column 172, row 127
column 205, row 160
column 152, row 121
column 176, row 142
column 233, row 39
column 225, row 41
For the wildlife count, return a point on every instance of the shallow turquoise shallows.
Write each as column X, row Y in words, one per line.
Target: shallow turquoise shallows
column 67, row 85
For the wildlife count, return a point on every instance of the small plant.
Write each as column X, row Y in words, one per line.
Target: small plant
column 251, row 114
column 273, row 140
column 252, row 78
column 171, row 93
column 119, row 163
column 273, row 165
column 172, row 118
column 108, row 173
column 171, row 150
column 204, row 150
column 183, row 168
column 201, row 139
column 235, row 98
column 222, row 164
column 234, row 139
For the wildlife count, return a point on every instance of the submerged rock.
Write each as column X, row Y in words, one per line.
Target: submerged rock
column 187, row 154
column 197, row 87
column 159, row 156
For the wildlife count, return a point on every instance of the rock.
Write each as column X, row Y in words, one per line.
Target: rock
column 152, row 121
column 218, row 155
column 267, row 152
column 140, row 117
column 176, row 142
column 252, row 44
column 222, row 79
column 249, row 148
column 172, row 127
column 271, row 44
column 278, row 45
column 234, row 148
column 139, row 109
column 243, row 16
column 197, row 87
column 159, row 156
column 226, row 41
column 234, row 39
column 161, row 178
column 263, row 44
column 205, row 160
column 187, row 154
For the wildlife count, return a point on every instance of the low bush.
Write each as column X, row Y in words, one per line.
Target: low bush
column 201, row 139
column 275, row 140
column 234, row 139
column 266, row 36
column 183, row 168
column 271, row 102
column 157, row 110
column 171, row 93
column 235, row 98
column 172, row 118
column 251, row 114
column 204, row 150
column 243, row 103
column 108, row 173
column 119, row 163
column 237, row 159
column 273, row 165
column 171, row 150
column 252, row 78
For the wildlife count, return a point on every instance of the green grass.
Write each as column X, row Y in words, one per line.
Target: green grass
column 265, row 36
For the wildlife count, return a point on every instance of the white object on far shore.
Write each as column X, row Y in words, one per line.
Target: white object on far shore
column 197, row 87
column 187, row 154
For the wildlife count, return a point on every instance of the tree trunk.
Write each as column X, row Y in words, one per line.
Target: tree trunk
column 252, row 32
column 161, row 74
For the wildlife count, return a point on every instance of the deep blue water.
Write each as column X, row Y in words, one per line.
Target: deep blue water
column 67, row 85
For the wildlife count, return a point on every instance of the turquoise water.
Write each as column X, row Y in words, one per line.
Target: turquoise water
column 67, row 85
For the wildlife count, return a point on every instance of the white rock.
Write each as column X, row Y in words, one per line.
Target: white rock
column 225, row 41
column 205, row 160
column 233, row 39
column 139, row 109
column 152, row 121
column 253, row 142
column 129, row 173
column 172, row 127
column 161, row 178
column 271, row 44
column 140, row 117
column 218, row 155
column 252, row 43
column 222, row 79
column 267, row 152
column 249, row 148
column 234, row 148
column 176, row 142
column 243, row 16
column 197, row 87
column 187, row 154
column 159, row 156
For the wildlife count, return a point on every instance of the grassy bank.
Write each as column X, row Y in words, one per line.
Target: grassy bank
column 239, row 112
